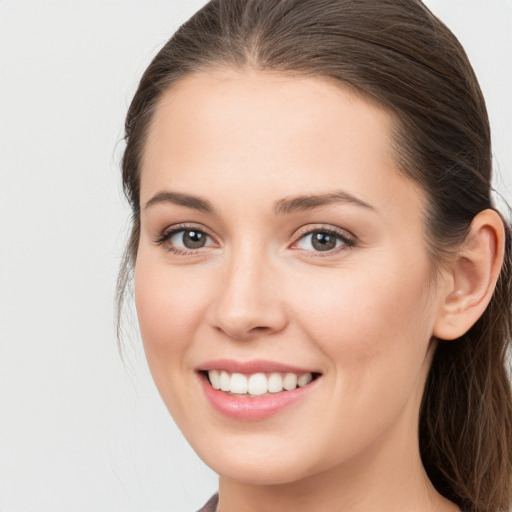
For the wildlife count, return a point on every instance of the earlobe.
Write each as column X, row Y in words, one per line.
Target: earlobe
column 473, row 274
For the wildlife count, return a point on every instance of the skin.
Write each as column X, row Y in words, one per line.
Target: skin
column 363, row 316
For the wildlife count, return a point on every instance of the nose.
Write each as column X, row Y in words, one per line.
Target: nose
column 249, row 303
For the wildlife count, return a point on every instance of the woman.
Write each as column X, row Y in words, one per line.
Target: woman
column 321, row 279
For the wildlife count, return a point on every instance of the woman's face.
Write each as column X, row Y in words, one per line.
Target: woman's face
column 278, row 237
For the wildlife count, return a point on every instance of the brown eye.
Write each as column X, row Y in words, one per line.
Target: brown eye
column 189, row 239
column 185, row 240
column 323, row 241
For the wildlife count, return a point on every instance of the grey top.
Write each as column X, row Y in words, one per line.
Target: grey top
column 211, row 506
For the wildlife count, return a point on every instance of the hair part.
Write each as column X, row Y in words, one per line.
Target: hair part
column 399, row 54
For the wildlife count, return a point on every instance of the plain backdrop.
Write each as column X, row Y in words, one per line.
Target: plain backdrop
column 79, row 429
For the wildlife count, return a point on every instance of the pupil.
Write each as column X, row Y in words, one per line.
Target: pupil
column 193, row 239
column 323, row 242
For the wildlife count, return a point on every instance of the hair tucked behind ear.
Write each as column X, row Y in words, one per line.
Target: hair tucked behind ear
column 465, row 423
column 398, row 53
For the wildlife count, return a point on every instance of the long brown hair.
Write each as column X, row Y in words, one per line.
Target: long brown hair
column 398, row 53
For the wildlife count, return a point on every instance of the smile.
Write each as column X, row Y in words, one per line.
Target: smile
column 254, row 390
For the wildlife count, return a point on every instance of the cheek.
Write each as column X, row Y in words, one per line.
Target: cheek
column 374, row 329
column 370, row 315
column 170, row 305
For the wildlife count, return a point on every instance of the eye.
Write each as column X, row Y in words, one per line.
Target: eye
column 324, row 240
column 186, row 240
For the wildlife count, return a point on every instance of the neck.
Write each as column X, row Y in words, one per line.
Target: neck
column 339, row 490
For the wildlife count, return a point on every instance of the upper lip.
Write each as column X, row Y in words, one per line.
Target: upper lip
column 253, row 366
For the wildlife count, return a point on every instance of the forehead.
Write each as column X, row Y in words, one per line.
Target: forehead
column 272, row 134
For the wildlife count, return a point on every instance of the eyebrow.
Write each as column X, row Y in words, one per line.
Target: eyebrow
column 282, row 207
column 309, row 201
column 189, row 201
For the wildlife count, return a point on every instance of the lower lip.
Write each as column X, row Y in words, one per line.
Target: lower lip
column 252, row 409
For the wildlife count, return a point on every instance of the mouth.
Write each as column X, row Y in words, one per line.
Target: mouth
column 254, row 390
column 257, row 384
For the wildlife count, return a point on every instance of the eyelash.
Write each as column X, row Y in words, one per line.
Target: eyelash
column 166, row 235
column 348, row 240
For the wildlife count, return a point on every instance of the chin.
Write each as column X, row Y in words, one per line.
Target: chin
column 257, row 473
column 267, row 463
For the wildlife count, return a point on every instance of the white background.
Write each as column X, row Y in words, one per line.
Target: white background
column 80, row 431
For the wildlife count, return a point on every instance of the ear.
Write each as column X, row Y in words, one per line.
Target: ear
column 472, row 276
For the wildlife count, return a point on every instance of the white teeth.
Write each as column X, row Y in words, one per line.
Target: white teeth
column 214, row 378
column 290, row 381
column 238, row 383
column 224, row 381
column 257, row 384
column 304, row 379
column 275, row 383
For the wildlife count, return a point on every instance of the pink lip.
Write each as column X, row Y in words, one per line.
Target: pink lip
column 248, row 367
column 247, row 408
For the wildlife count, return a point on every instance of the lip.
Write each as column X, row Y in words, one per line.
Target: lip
column 244, row 408
column 253, row 366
